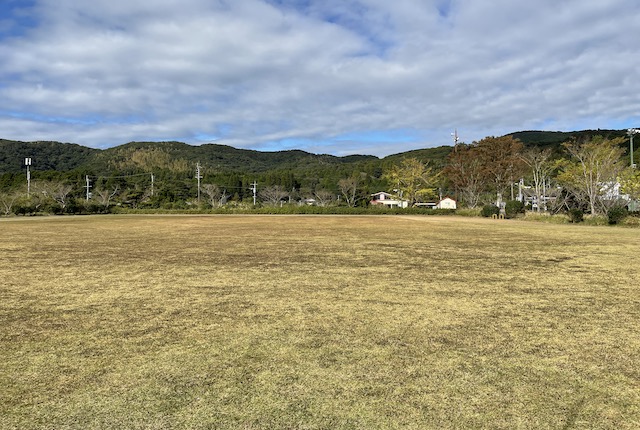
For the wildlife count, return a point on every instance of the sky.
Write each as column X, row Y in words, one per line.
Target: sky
column 337, row 77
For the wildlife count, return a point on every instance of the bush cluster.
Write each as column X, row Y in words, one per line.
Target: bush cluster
column 27, row 207
column 513, row 208
column 490, row 210
column 576, row 215
column 617, row 214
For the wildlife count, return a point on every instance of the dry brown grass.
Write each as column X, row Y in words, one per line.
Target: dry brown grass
column 317, row 322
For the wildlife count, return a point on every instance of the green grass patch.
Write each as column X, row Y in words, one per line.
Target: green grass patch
column 546, row 217
column 469, row 212
column 317, row 322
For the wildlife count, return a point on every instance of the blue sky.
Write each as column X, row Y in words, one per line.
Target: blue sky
column 326, row 76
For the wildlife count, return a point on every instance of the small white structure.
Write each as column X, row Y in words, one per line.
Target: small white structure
column 389, row 200
column 446, row 203
column 307, row 202
column 426, row 205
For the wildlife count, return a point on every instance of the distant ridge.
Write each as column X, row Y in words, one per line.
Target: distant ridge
column 556, row 138
column 49, row 155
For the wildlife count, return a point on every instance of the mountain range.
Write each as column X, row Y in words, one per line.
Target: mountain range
column 177, row 156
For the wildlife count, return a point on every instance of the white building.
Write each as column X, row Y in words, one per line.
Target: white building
column 447, row 203
column 389, row 200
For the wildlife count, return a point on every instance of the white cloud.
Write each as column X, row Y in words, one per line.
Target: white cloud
column 249, row 72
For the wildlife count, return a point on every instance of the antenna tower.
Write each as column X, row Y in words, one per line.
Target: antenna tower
column 455, row 137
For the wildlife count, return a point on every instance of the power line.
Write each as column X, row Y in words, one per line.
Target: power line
column 122, row 177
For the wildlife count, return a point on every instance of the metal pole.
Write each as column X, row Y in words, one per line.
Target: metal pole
column 198, row 176
column 254, row 187
column 88, row 186
column 631, row 151
column 27, row 162
column 630, row 133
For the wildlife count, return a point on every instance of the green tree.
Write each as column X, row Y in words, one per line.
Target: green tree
column 413, row 179
column 592, row 171
column 630, row 184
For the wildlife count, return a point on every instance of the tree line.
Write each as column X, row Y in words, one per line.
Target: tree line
column 588, row 174
column 591, row 175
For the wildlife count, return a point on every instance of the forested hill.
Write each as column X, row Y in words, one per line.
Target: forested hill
column 554, row 139
column 177, row 156
column 46, row 155
column 227, row 158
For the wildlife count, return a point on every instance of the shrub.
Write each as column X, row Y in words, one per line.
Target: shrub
column 631, row 221
column 74, row 207
column 490, row 210
column 24, row 208
column 50, row 207
column 513, row 208
column 576, row 215
column 617, row 214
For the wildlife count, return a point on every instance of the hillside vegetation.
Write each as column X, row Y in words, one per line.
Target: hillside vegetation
column 70, row 178
column 148, row 155
column 63, row 157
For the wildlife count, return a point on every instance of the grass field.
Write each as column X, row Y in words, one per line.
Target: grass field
column 317, row 322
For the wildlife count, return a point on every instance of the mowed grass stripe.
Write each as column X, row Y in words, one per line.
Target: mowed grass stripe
column 317, row 322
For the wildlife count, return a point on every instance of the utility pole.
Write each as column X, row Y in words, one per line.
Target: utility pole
column 152, row 178
column 88, row 186
column 27, row 162
column 198, row 177
column 455, row 137
column 630, row 133
column 520, row 186
column 254, row 188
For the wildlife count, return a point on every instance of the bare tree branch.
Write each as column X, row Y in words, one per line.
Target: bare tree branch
column 273, row 194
